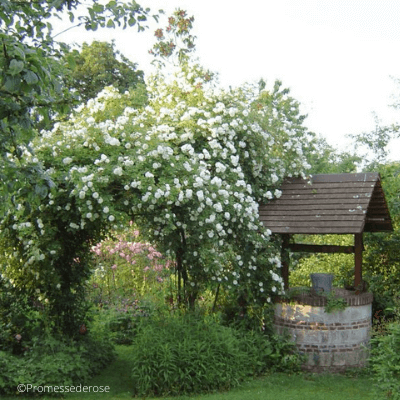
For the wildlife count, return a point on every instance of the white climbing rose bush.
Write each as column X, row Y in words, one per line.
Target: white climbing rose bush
column 190, row 168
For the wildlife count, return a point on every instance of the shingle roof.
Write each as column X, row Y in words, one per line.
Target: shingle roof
column 329, row 203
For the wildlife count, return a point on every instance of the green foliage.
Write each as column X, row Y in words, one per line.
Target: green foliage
column 31, row 73
column 31, row 90
column 385, row 361
column 341, row 265
column 190, row 167
column 268, row 352
column 206, row 357
column 99, row 65
column 335, row 303
column 55, row 361
column 324, row 159
column 120, row 316
column 199, row 210
column 373, row 146
column 21, row 320
column 382, row 256
column 32, row 353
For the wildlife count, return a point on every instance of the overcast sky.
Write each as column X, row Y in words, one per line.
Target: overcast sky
column 336, row 56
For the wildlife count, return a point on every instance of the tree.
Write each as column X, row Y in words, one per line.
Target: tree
column 372, row 147
column 325, row 159
column 98, row 66
column 31, row 78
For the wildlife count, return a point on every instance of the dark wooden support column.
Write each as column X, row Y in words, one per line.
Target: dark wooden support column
column 358, row 247
column 285, row 259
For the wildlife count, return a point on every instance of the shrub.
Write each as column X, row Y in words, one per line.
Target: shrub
column 121, row 319
column 186, row 354
column 269, row 353
column 385, row 361
column 54, row 361
column 20, row 316
column 191, row 354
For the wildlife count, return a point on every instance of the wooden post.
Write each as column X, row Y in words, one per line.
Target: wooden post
column 285, row 260
column 358, row 247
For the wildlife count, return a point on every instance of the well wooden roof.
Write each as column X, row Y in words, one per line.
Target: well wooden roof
column 329, row 203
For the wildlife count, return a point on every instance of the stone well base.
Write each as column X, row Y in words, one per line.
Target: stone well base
column 330, row 341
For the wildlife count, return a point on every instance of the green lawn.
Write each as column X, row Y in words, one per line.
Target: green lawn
column 278, row 386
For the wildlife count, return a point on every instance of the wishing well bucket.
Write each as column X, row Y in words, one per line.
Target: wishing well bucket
column 322, row 282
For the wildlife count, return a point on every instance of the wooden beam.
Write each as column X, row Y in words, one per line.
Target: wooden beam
column 316, row 248
column 285, row 260
column 358, row 245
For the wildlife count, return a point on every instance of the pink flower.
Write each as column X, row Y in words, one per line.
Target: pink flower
column 114, row 267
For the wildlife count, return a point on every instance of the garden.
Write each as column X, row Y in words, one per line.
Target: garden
column 132, row 256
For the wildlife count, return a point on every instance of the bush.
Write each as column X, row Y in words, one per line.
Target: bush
column 185, row 354
column 54, row 361
column 121, row 320
column 269, row 353
column 385, row 361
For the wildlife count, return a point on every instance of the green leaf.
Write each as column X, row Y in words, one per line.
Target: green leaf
column 12, row 83
column 71, row 60
column 41, row 191
column 110, row 24
column 16, row 66
column 18, row 51
column 98, row 8
column 31, row 78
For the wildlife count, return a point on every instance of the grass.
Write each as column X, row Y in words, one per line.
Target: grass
column 271, row 387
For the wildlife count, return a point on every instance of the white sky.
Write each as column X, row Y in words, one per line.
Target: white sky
column 336, row 56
